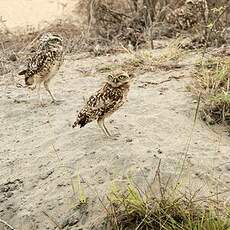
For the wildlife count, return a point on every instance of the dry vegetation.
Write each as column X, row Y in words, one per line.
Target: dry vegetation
column 137, row 22
column 212, row 83
column 167, row 208
column 117, row 26
column 146, row 60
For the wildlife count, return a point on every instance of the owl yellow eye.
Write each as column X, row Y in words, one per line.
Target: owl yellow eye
column 122, row 77
column 55, row 40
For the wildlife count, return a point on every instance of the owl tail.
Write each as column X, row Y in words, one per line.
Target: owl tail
column 81, row 121
column 23, row 72
column 74, row 124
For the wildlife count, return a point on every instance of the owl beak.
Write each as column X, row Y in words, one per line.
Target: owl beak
column 131, row 76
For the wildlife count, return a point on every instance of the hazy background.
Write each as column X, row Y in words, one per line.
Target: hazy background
column 36, row 13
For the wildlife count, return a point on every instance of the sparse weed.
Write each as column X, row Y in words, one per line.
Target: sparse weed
column 213, row 82
column 148, row 60
column 173, row 52
column 170, row 210
column 79, row 190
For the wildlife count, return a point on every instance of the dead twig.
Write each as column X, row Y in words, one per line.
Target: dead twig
column 187, row 148
column 207, row 35
column 52, row 220
column 6, row 224
column 161, row 82
column 113, row 12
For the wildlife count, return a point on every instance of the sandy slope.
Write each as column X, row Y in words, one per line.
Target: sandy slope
column 40, row 152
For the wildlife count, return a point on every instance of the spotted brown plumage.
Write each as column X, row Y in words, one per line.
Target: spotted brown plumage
column 44, row 64
column 105, row 101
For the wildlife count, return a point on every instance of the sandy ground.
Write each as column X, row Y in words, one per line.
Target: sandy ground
column 42, row 156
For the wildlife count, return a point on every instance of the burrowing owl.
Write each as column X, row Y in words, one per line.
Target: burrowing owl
column 44, row 64
column 105, row 101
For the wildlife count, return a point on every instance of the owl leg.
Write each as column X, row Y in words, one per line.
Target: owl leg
column 107, row 131
column 46, row 85
column 101, row 124
column 39, row 94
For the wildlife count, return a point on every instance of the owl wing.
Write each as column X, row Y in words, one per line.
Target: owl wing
column 98, row 106
column 105, row 96
column 39, row 61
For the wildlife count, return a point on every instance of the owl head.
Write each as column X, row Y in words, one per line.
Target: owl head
column 118, row 78
column 50, row 39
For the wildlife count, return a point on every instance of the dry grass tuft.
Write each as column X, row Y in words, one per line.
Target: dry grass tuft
column 213, row 83
column 173, row 52
column 149, row 60
column 137, row 23
column 167, row 209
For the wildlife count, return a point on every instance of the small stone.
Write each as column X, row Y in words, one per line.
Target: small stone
column 146, row 169
column 34, row 186
column 61, row 184
column 72, row 220
column 50, row 206
column 219, row 169
column 13, row 57
column 159, row 151
column 60, row 202
column 39, row 203
column 9, row 206
column 101, row 180
column 4, row 189
column 227, row 167
column 124, row 177
column 9, row 194
column 46, row 174
column 128, row 140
